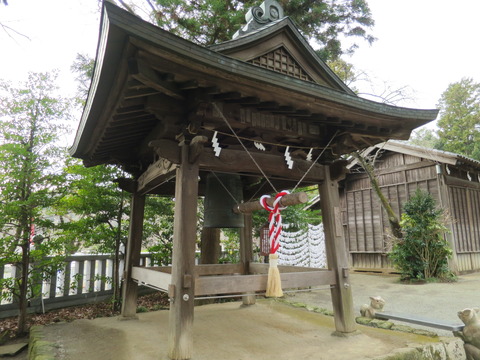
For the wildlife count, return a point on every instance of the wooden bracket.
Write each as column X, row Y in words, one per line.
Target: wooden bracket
column 338, row 170
column 128, row 185
column 196, row 148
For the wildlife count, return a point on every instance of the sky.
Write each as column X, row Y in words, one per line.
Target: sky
column 424, row 45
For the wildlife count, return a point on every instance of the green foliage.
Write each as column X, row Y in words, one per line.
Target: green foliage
column 158, row 229
column 93, row 210
column 231, row 247
column 459, row 122
column 32, row 120
column 142, row 309
column 426, row 138
column 83, row 66
column 423, row 251
column 211, row 21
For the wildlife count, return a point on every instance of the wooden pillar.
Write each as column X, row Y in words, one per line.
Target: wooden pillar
column 337, row 255
column 210, row 246
column 132, row 257
column 183, row 258
column 246, row 252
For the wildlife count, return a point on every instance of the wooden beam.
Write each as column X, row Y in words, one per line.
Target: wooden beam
column 152, row 277
column 140, row 71
column 219, row 269
column 207, row 269
column 238, row 284
column 138, row 93
column 238, row 161
column 132, row 258
column 262, row 268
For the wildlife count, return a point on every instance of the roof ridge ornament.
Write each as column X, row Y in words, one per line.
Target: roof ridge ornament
column 259, row 16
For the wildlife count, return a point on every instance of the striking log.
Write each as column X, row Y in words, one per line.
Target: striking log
column 287, row 200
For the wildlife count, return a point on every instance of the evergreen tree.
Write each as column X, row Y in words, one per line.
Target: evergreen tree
column 31, row 181
column 423, row 251
column 211, row 21
column 459, row 124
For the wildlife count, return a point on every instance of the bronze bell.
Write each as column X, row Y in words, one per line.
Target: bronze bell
column 219, row 202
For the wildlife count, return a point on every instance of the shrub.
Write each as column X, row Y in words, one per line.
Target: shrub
column 423, row 251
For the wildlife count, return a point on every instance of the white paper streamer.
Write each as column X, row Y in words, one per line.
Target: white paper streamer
column 288, row 158
column 216, row 146
column 259, row 146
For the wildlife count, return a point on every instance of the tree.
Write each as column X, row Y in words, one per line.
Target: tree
column 83, row 66
column 368, row 166
column 31, row 119
column 423, row 251
column 158, row 229
column 459, row 123
column 93, row 213
column 426, row 138
column 211, row 21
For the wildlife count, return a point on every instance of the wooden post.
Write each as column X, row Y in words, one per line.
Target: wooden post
column 210, row 246
column 337, row 255
column 183, row 258
column 246, row 252
column 132, row 257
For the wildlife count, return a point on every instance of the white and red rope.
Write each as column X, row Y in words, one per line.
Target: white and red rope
column 274, row 219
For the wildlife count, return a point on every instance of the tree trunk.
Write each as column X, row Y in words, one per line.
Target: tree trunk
column 392, row 217
column 23, row 290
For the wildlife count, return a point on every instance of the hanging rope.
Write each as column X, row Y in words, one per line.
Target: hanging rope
column 314, row 162
column 274, row 283
column 274, row 219
column 225, row 187
column 263, row 142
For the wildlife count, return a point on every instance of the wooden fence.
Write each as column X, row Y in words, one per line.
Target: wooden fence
column 83, row 279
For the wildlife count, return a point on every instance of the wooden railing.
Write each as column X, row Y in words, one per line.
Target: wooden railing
column 83, row 279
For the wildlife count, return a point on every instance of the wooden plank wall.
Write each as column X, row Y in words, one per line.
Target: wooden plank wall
column 464, row 198
column 365, row 222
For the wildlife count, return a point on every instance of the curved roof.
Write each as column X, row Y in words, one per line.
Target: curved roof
column 149, row 84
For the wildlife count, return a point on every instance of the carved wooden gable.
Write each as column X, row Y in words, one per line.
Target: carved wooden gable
column 280, row 60
column 279, row 46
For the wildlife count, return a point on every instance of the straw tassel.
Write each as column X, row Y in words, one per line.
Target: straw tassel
column 274, row 282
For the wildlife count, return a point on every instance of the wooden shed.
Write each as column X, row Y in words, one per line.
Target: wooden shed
column 262, row 107
column 453, row 180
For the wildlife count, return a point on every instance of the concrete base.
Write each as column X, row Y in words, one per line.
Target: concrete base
column 12, row 350
column 269, row 330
